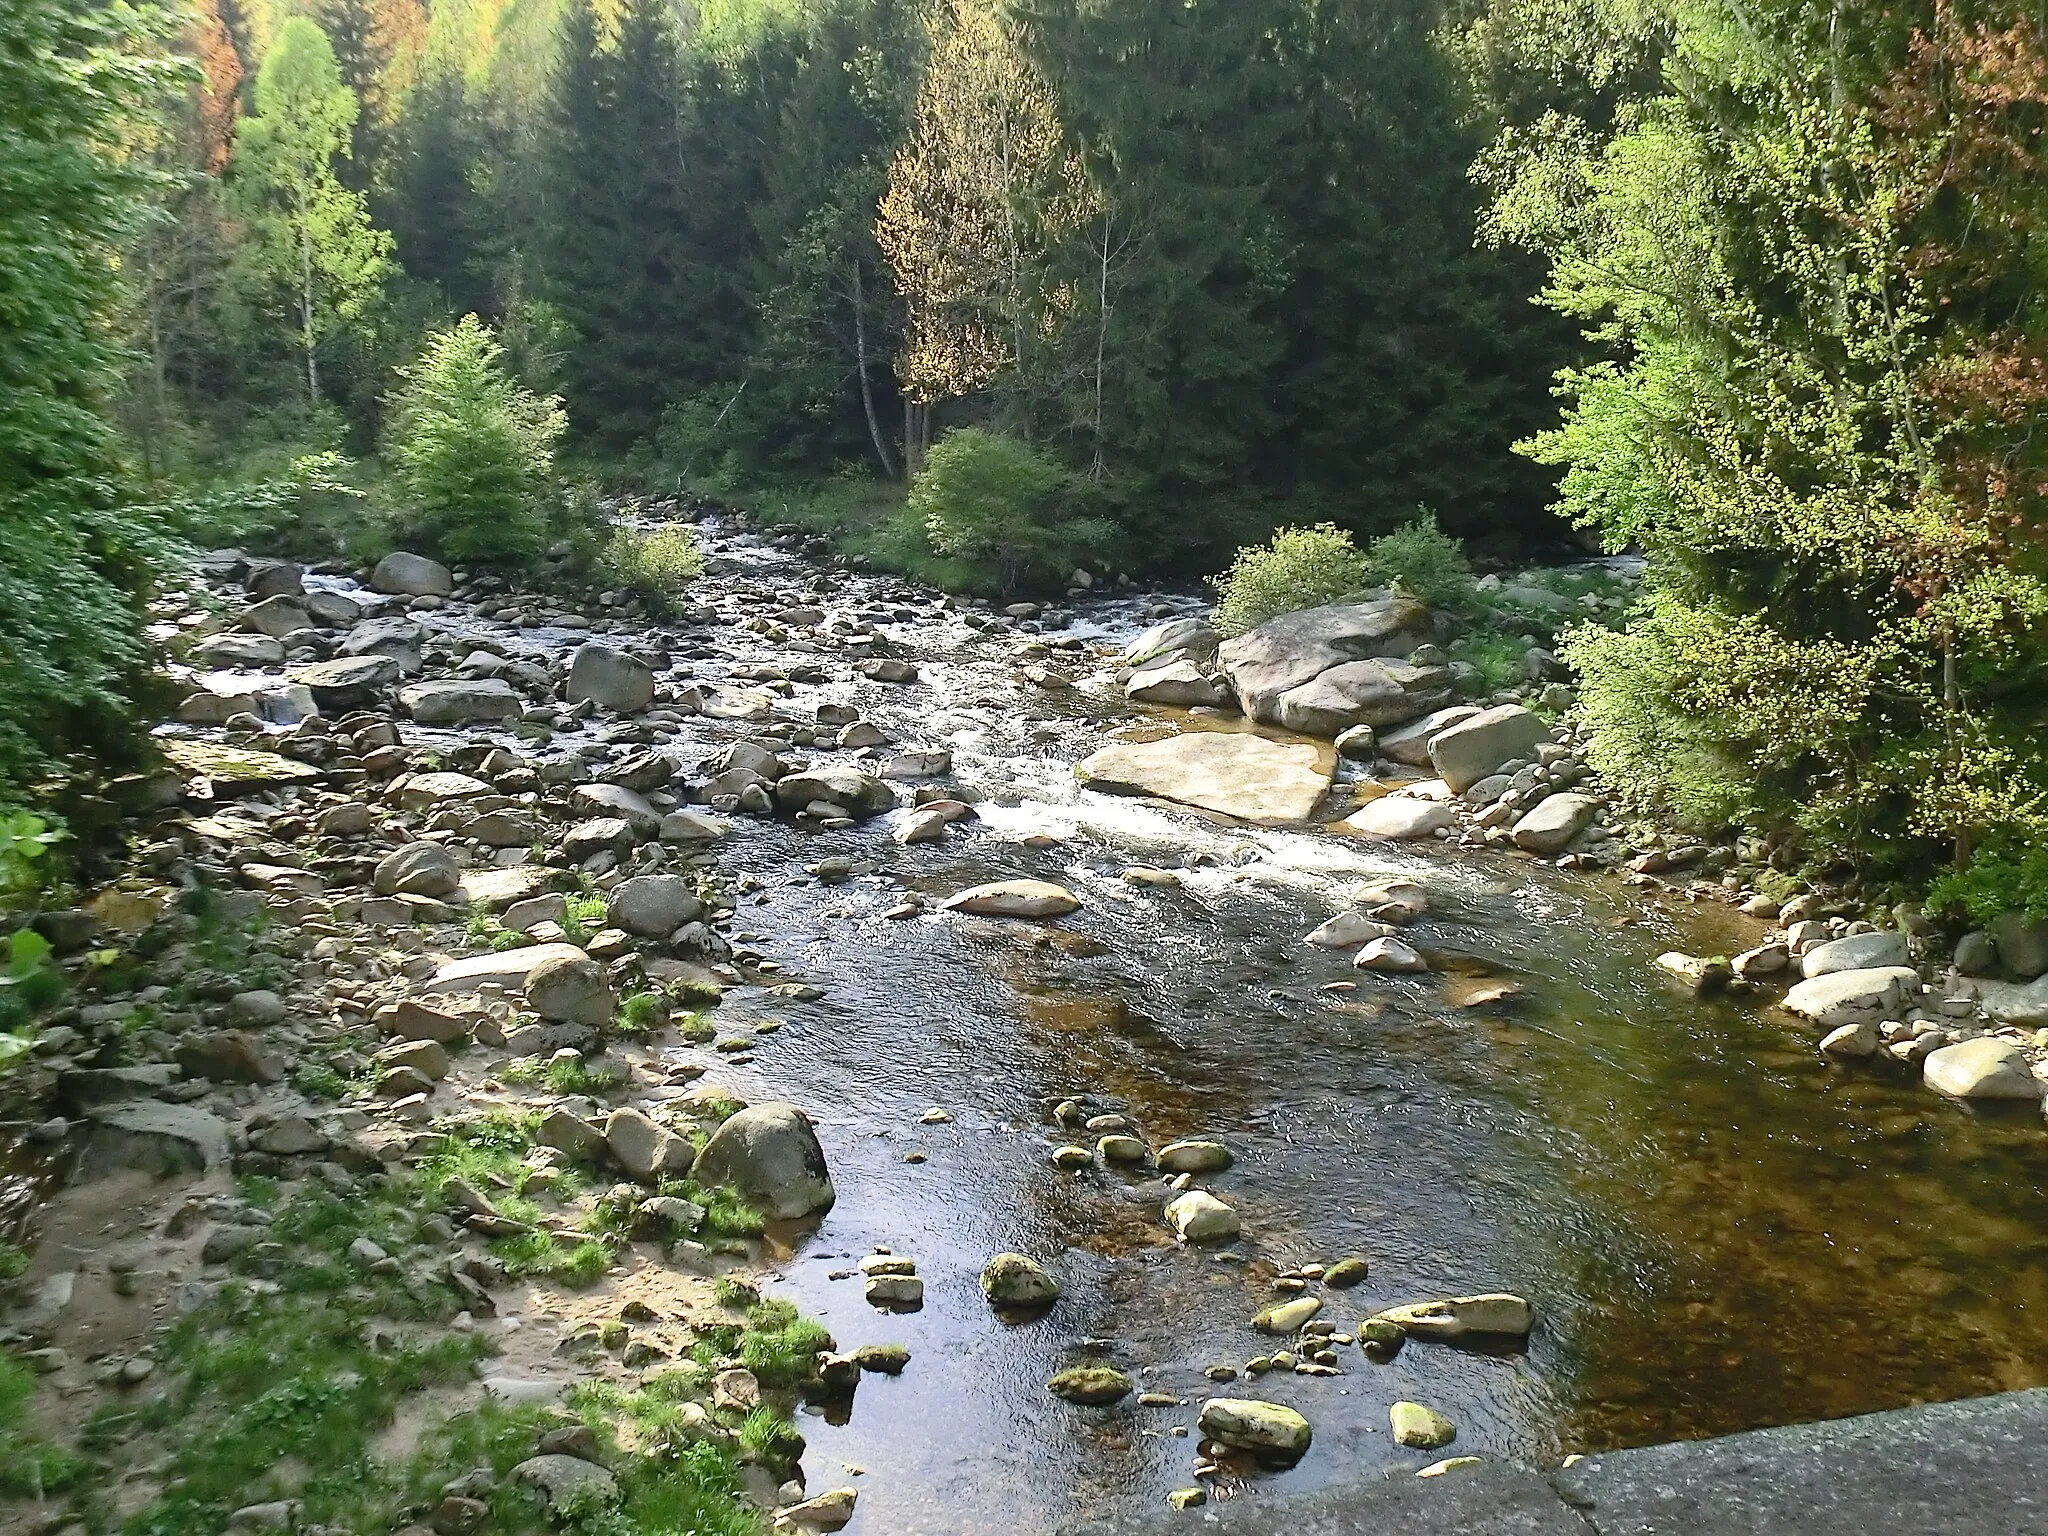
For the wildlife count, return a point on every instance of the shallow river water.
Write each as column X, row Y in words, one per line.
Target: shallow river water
column 1718, row 1230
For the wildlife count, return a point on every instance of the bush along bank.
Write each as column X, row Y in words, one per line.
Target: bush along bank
column 1429, row 752
column 393, row 1212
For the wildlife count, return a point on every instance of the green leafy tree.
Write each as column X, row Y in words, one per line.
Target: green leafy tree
column 73, row 81
column 1300, row 568
column 311, row 240
column 475, row 449
column 1812, row 250
column 1003, row 509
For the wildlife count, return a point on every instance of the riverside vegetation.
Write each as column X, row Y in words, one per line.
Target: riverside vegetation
column 358, row 883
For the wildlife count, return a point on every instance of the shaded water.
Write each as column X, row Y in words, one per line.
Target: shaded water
column 1718, row 1230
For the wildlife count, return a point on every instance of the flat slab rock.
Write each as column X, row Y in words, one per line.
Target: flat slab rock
column 154, row 1137
column 242, row 767
column 508, row 970
column 1233, row 773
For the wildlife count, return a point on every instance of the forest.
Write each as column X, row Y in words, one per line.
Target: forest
column 988, row 291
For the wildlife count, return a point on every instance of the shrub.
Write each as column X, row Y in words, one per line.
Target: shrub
column 1425, row 562
column 1300, row 568
column 1003, row 509
column 657, row 565
column 475, row 450
column 1997, row 879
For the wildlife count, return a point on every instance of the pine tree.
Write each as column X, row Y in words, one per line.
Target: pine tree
column 1813, row 253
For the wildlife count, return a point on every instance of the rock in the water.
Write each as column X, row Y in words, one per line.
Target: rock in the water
column 1014, row 898
column 1843, row 997
column 568, row 1484
column 1234, row 773
column 1850, row 1042
column 610, row 679
column 151, row 1136
column 569, row 987
column 1199, row 1217
column 1267, row 1430
column 1496, row 1313
column 1420, row 1428
column 771, row 1155
column 1285, row 1317
column 1553, row 822
column 454, row 701
column 407, row 575
column 1174, row 637
column 1348, row 930
column 1857, row 952
column 345, row 680
column 1390, row 955
column 238, row 651
column 1467, row 752
column 1193, row 1157
column 1177, row 683
column 1092, row 1385
column 1295, row 648
column 854, row 793
column 1374, row 693
column 417, row 869
column 399, row 639
column 1699, row 974
column 1989, row 1068
column 1013, row 1280
column 653, row 906
column 1391, row 901
column 827, row 1512
column 1400, row 817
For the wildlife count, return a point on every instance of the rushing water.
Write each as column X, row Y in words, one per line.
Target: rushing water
column 1718, row 1230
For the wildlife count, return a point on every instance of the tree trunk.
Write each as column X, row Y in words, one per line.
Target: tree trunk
column 306, row 299
column 917, row 431
column 867, row 392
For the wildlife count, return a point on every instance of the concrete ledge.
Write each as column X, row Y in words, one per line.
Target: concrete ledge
column 1972, row 1468
column 1946, row 1469
column 1493, row 1499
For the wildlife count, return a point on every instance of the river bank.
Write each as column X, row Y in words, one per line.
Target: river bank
column 1718, row 1228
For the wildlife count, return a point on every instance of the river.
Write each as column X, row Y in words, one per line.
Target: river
column 1719, row 1231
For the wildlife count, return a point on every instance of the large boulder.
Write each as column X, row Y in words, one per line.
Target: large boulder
column 405, row 575
column 278, row 617
column 1176, row 682
column 1472, row 749
column 400, row 639
column 1285, row 652
column 771, row 1155
column 1403, row 818
column 858, row 794
column 1553, row 822
column 1858, row 952
column 569, row 989
column 653, row 906
column 610, row 679
column 1371, row 692
column 1410, row 744
column 345, row 681
column 238, row 651
column 1847, row 997
column 2022, row 944
column 417, row 869
column 1987, row 1068
column 152, row 1136
column 1231, row 772
column 644, row 1148
column 1195, row 638
column 454, row 701
column 617, row 800
column 1269, row 1431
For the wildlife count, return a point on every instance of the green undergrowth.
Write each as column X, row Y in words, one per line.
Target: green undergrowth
column 280, row 1384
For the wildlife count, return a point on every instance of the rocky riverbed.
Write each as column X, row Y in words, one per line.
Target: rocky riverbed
column 1200, row 1071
